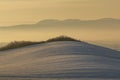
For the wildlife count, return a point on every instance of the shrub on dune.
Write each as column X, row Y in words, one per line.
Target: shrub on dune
column 61, row 38
column 18, row 44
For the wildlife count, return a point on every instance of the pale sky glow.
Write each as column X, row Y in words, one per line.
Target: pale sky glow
column 14, row 12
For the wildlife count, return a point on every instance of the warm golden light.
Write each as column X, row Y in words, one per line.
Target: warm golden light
column 29, row 11
column 14, row 12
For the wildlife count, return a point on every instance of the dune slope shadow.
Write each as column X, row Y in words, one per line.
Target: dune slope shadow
column 61, row 59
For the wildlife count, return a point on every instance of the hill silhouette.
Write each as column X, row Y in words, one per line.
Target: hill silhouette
column 62, row 60
column 18, row 44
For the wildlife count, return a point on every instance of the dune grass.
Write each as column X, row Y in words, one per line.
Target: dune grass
column 18, row 44
column 61, row 38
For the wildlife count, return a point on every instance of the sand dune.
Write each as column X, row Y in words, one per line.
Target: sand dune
column 62, row 59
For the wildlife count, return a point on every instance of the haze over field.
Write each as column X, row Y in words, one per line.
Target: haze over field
column 106, row 29
column 93, row 19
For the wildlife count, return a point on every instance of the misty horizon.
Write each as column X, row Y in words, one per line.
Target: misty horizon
column 37, row 20
column 106, row 29
column 15, row 12
column 69, row 19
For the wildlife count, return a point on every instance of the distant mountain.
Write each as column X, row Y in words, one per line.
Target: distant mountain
column 104, row 23
column 101, row 29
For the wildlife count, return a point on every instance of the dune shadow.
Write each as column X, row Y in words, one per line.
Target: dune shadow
column 84, row 73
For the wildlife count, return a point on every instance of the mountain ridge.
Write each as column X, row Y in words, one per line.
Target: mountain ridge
column 54, row 22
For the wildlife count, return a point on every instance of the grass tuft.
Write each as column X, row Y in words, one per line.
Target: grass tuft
column 61, row 38
column 18, row 44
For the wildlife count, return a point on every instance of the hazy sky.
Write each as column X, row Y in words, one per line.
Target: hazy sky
column 30, row 11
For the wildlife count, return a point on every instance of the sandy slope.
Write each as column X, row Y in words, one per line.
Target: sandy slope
column 60, row 60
